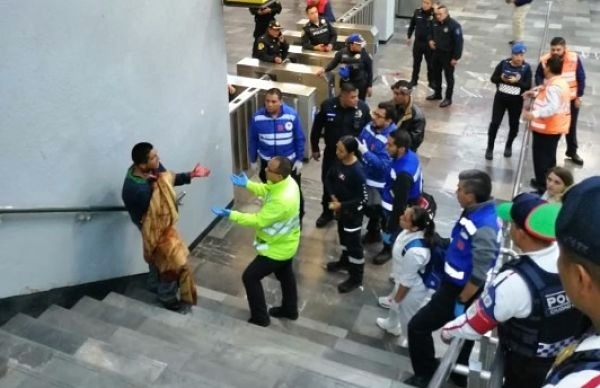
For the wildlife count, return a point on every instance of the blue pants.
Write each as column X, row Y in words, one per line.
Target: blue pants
column 165, row 290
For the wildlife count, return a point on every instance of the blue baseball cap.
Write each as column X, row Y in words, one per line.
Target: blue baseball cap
column 518, row 48
column 355, row 38
column 578, row 223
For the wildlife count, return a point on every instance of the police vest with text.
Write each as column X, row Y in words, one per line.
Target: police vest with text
column 552, row 323
column 410, row 164
column 559, row 122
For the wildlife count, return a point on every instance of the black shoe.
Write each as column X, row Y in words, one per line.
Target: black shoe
column 511, row 42
column 575, row 158
column 324, row 219
column 417, row 381
column 383, row 257
column 278, row 312
column 371, row 238
column 507, row 152
column 445, row 103
column 173, row 305
column 348, row 285
column 259, row 323
column 337, row 266
column 489, row 154
column 433, row 97
column 185, row 308
column 458, row 380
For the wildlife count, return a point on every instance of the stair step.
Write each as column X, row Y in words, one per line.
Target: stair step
column 58, row 369
column 277, row 362
column 344, row 351
column 94, row 352
column 127, row 340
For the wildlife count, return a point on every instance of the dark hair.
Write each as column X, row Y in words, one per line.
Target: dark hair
column 310, row 6
column 554, row 64
column 389, row 109
column 350, row 144
column 276, row 92
column 284, row 166
column 558, row 41
column 347, row 87
column 478, row 183
column 140, row 152
column 401, row 138
column 440, row 6
column 402, row 84
column 565, row 175
column 423, row 220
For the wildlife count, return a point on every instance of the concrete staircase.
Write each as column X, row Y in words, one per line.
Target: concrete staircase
column 128, row 341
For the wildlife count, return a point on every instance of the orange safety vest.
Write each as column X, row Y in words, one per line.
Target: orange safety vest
column 569, row 70
column 559, row 122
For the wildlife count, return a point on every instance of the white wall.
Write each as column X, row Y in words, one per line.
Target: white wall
column 82, row 81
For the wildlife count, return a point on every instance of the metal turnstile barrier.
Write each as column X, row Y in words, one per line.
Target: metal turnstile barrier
column 362, row 13
column 251, row 98
column 368, row 32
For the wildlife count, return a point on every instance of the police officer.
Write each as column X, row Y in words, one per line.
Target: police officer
column 577, row 231
column 263, row 16
column 473, row 248
column 446, row 41
column 372, row 143
column 512, row 77
column 276, row 130
column 526, row 301
column 408, row 116
column 271, row 46
column 318, row 34
column 337, row 116
column 356, row 65
column 420, row 24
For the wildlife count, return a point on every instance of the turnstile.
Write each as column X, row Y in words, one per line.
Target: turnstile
column 368, row 32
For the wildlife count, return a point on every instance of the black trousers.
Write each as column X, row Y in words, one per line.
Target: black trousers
column 421, row 49
column 571, row 137
column 297, row 177
column 326, row 163
column 505, row 102
column 521, row 371
column 543, row 149
column 440, row 61
column 263, row 266
column 432, row 316
column 349, row 228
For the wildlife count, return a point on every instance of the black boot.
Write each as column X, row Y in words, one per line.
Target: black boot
column 383, row 256
column 354, row 280
column 324, row 219
column 341, row 265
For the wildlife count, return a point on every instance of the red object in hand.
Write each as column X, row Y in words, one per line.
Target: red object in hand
column 200, row 171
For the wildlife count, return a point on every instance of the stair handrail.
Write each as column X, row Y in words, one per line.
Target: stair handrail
column 365, row 7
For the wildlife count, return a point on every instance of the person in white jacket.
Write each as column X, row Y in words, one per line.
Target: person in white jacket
column 410, row 256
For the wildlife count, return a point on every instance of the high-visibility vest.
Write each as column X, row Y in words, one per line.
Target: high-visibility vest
column 569, row 70
column 559, row 122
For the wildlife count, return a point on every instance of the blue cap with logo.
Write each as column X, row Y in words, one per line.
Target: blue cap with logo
column 355, row 38
column 578, row 223
column 518, row 48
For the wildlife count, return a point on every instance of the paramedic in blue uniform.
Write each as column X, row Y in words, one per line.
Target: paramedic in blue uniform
column 276, row 130
column 472, row 251
column 577, row 231
column 526, row 300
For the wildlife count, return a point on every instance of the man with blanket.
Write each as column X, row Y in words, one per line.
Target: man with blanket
column 150, row 200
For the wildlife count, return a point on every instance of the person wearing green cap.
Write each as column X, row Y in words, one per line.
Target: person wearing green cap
column 526, row 300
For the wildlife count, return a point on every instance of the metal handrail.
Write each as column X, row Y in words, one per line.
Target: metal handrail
column 355, row 14
column 59, row 209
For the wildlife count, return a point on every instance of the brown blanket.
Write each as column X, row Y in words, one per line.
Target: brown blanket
column 163, row 247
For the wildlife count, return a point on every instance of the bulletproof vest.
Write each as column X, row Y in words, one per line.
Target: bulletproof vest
column 356, row 65
column 553, row 322
column 318, row 34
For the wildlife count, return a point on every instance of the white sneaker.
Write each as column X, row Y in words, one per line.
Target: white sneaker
column 384, row 323
column 385, row 301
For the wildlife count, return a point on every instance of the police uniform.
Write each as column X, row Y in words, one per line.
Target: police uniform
column 322, row 33
column 508, row 97
column 267, row 48
column 448, row 39
column 577, row 365
column 358, row 68
column 261, row 22
column 332, row 122
column 535, row 318
column 420, row 24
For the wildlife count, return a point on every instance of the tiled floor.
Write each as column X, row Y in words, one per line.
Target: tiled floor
column 455, row 140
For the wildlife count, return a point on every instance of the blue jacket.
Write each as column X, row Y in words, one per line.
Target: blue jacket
column 409, row 163
column 280, row 136
column 376, row 161
column 460, row 255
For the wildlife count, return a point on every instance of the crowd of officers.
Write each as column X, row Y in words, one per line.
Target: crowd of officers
column 370, row 167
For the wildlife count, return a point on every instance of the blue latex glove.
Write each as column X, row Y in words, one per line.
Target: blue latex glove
column 221, row 212
column 240, row 180
column 459, row 308
column 387, row 238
